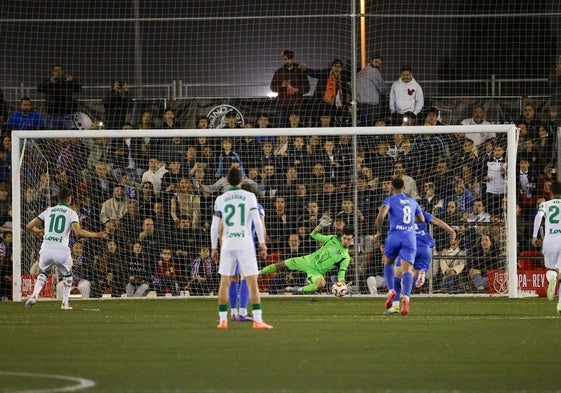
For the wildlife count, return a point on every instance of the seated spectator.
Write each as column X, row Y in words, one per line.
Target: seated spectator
column 431, row 202
column 478, row 117
column 483, row 256
column 138, row 271
column 410, row 185
column 227, row 157
column 167, row 277
column 114, row 208
column 204, row 277
column 452, row 263
column 154, row 174
column 462, row 196
column 170, row 179
column 263, row 122
column 131, row 222
column 184, row 202
column 280, row 223
column 530, row 119
column 108, row 271
column 294, row 120
column 25, row 118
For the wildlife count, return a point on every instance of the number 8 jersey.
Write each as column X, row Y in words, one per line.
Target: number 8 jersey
column 57, row 223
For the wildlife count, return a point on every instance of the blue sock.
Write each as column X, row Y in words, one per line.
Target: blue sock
column 233, row 294
column 244, row 294
column 389, row 275
column 407, row 283
column 397, row 287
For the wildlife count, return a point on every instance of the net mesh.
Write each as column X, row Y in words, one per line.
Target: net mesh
column 158, row 213
column 127, row 64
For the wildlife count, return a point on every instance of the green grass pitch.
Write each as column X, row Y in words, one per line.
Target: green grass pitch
column 318, row 344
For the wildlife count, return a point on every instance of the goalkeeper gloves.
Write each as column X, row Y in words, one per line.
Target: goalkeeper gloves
column 324, row 222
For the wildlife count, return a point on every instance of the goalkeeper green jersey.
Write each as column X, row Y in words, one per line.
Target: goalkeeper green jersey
column 331, row 255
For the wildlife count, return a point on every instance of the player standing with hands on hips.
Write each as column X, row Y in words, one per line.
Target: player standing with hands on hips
column 237, row 210
column 58, row 221
column 551, row 248
column 401, row 241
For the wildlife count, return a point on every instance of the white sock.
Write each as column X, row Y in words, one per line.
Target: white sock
column 67, row 289
column 234, row 312
column 258, row 315
column 551, row 275
column 223, row 315
column 243, row 311
column 41, row 280
column 395, row 303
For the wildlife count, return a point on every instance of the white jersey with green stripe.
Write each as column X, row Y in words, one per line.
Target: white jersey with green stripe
column 58, row 224
column 237, row 208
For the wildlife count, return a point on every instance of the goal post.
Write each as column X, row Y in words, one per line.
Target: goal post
column 61, row 158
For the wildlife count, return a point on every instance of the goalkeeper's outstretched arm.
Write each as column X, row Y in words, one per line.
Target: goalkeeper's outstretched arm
column 324, row 221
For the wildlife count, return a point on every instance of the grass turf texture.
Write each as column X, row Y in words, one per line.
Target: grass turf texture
column 318, row 344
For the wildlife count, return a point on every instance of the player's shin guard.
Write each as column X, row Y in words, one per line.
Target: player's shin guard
column 407, row 283
column 41, row 280
column 67, row 288
column 389, row 275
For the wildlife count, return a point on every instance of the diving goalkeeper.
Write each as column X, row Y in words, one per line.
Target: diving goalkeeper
column 333, row 254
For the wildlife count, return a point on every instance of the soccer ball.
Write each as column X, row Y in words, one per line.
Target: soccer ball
column 339, row 289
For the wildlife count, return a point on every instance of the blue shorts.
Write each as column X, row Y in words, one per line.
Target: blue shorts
column 422, row 258
column 401, row 244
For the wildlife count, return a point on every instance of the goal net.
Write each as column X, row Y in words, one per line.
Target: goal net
column 152, row 191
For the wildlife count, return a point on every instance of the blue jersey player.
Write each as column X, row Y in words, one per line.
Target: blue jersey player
column 423, row 256
column 403, row 211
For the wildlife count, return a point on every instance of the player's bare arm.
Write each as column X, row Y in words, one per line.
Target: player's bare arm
column 78, row 230
column 33, row 226
column 443, row 225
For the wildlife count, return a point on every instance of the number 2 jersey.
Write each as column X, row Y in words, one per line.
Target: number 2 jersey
column 551, row 210
column 58, row 222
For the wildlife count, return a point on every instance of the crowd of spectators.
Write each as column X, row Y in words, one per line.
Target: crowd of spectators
column 154, row 195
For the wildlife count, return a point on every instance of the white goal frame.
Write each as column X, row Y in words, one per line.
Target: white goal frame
column 509, row 129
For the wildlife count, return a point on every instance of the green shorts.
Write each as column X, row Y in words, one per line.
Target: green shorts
column 302, row 264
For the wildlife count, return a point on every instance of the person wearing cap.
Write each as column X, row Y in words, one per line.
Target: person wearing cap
column 291, row 83
column 370, row 88
column 406, row 95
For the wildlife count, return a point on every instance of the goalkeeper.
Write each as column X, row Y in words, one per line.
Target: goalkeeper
column 334, row 253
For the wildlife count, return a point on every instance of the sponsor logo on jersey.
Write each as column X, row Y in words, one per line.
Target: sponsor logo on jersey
column 53, row 239
column 235, row 234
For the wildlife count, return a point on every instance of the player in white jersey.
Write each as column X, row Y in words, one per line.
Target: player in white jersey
column 551, row 247
column 54, row 225
column 236, row 212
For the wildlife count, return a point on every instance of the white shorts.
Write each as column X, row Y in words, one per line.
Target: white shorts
column 552, row 252
column 59, row 258
column 245, row 259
